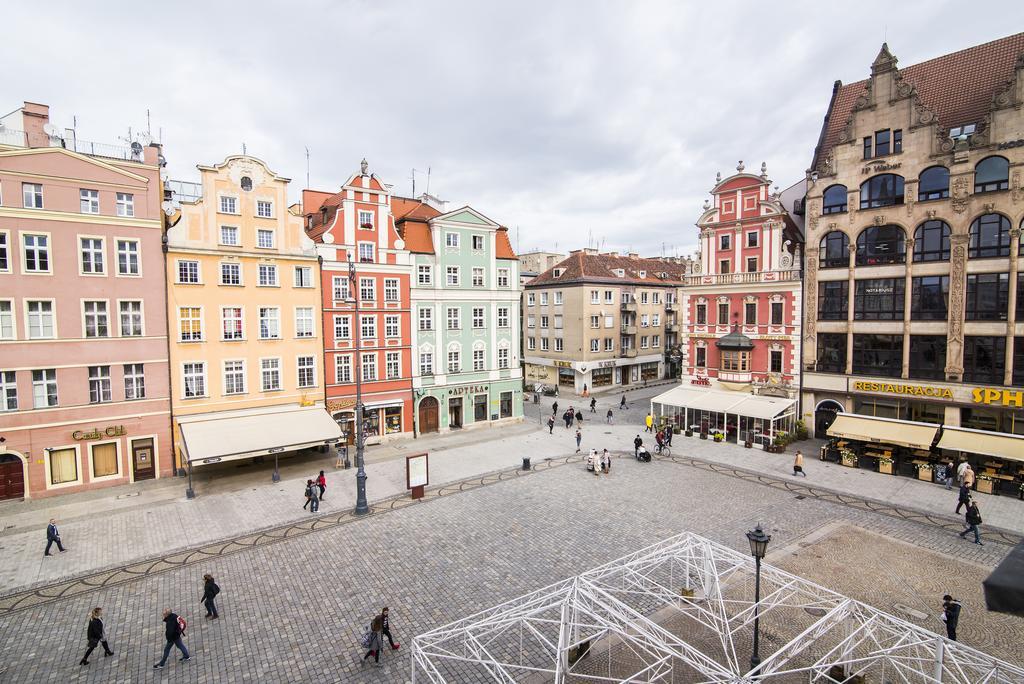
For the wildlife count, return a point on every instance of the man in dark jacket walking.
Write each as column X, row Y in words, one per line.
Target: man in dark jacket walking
column 210, row 591
column 637, row 443
column 964, row 498
column 53, row 537
column 551, row 424
column 593, row 405
column 951, row 615
column 973, row 519
column 173, row 634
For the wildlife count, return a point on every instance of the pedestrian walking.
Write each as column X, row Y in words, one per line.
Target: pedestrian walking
column 637, row 443
column 950, row 472
column 606, row 462
column 950, row 615
column 554, row 408
column 586, row 390
column 567, row 418
column 210, row 591
column 960, row 471
column 649, row 423
column 593, row 405
column 579, row 416
column 53, row 537
column 608, row 417
column 964, row 499
column 385, row 627
column 668, row 435
column 579, row 438
column 973, row 518
column 96, row 635
column 321, row 483
column 374, row 642
column 969, row 477
column 312, row 496
column 174, row 630
column 798, row 465
column 551, row 424
column 622, row 403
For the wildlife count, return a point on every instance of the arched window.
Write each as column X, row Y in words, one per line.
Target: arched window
column 990, row 237
column 834, row 250
column 834, row 200
column 991, row 174
column 883, row 190
column 881, row 245
column 931, row 241
column 933, row 183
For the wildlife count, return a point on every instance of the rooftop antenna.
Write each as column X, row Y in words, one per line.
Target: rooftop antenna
column 428, row 180
column 148, row 127
column 243, row 149
column 307, row 167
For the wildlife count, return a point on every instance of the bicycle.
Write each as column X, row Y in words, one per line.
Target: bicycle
column 664, row 450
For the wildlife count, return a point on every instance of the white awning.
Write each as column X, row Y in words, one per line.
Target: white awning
column 997, row 444
column 883, row 430
column 763, row 407
column 738, row 403
column 231, row 435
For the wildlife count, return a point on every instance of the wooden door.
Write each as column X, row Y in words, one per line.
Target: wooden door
column 428, row 415
column 12, row 477
column 143, row 459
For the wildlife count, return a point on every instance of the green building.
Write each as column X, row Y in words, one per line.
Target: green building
column 465, row 318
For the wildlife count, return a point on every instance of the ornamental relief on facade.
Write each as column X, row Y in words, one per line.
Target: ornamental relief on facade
column 1015, row 191
column 959, row 197
column 811, row 284
column 958, row 264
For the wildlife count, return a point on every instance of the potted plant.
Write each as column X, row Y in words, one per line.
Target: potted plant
column 367, row 225
column 924, row 472
column 801, row 430
column 885, row 465
column 718, row 437
column 780, row 441
column 848, row 457
column 748, row 443
column 985, row 484
column 689, row 432
column 703, row 434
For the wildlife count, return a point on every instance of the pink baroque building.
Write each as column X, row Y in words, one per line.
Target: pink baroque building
column 84, row 399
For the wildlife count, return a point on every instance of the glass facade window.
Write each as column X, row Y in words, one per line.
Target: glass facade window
column 834, row 250
column 833, row 300
column 1010, row 421
column 931, row 241
column 933, row 183
column 880, row 299
column 991, row 174
column 929, row 298
column 989, row 237
column 883, row 190
column 878, row 355
column 1020, row 295
column 833, row 201
column 928, row 357
column 831, row 353
column 1018, row 361
column 984, row 359
column 879, row 245
column 902, row 409
column 987, row 296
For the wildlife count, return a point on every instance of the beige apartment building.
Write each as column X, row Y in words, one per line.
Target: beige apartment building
column 600, row 321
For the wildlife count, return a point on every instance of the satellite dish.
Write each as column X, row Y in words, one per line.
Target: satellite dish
column 51, row 130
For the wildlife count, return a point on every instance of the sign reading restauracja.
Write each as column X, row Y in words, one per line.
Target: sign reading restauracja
column 976, row 395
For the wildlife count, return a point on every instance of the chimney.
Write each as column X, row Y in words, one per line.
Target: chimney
column 634, row 255
column 33, row 117
column 589, row 250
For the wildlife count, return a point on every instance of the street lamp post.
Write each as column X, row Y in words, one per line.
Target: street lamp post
column 758, row 546
column 361, row 506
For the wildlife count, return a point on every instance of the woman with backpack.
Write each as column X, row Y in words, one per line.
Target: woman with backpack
column 96, row 635
column 372, row 640
column 210, row 591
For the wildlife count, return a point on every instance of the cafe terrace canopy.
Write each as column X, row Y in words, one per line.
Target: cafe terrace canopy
column 883, row 431
column 984, row 443
column 232, row 435
column 711, row 409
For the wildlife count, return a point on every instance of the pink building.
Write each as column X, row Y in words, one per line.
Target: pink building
column 84, row 399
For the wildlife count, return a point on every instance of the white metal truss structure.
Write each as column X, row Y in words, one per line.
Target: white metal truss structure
column 683, row 610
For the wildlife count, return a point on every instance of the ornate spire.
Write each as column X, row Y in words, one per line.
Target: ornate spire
column 764, row 170
column 883, row 62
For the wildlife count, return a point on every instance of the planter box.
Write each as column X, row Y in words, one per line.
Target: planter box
column 689, row 433
column 985, row 486
column 703, row 435
column 849, row 462
column 924, row 473
column 885, row 468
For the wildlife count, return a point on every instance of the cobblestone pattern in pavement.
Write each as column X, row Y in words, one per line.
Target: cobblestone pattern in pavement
column 293, row 610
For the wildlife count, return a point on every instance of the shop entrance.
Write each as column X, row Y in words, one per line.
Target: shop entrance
column 825, row 415
column 428, row 415
column 143, row 466
column 12, row 477
column 455, row 412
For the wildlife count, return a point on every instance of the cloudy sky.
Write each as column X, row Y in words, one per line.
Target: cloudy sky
column 568, row 122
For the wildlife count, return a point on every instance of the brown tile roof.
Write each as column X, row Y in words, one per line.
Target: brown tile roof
column 958, row 87
column 503, row 246
column 411, row 216
column 581, row 267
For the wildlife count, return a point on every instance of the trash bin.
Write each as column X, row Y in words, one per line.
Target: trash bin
column 526, row 463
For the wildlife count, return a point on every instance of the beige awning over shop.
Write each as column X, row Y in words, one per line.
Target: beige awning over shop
column 883, row 431
column 231, row 435
column 971, row 441
column 711, row 399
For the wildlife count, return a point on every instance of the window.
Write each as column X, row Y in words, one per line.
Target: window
column 655, row 340
column 125, row 204
column 725, row 266
column 7, row 319
column 8, row 391
column 897, row 141
column 987, row 296
column 544, row 321
column 931, row 241
column 454, row 319
column 835, row 250
column 391, row 328
column 228, row 205
column 99, row 384
column 595, row 345
column 833, row 200
column 426, row 363
column 451, row 240
column 643, row 298
column 882, row 143
column 929, row 298
column 128, row 258
column 478, row 277
column 595, row 296
column 478, row 317
column 880, row 299
column 190, row 323
column 368, row 327
column 366, row 252
column 878, row 245
column 307, row 371
column 32, row 195
column 452, row 276
column 454, row 362
column 303, row 276
column 775, row 361
column 366, row 220
column 503, row 357
column 531, row 321
column 595, row 321
column 343, row 368
column 478, row 242
column 96, row 322
column 656, row 298
column 991, row 174
column 37, row 253
column 928, row 357
column 543, row 298
column 878, row 355
column 503, row 317
column 559, row 344
column 643, row 342
column 234, row 377
column 40, row 320
column 231, row 322
column 700, row 357
column 478, row 358
column 655, row 320
column 265, row 238
column 531, row 343
column 423, row 275
column 867, row 147
column 833, row 300
column 264, row 209
column 130, row 313
column 63, row 466
column 725, row 241
column 391, row 290
column 776, row 313
column 270, row 323
column 188, row 272
column 702, row 314
column 883, row 190
column 752, row 239
column 92, row 255
column 544, row 344
column 392, row 365
column 751, row 264
column 609, row 296
column 342, row 327
column 194, row 379
column 831, row 353
column 989, row 237
column 231, row 274
column 503, row 277
column 339, row 284
column 426, row 317
column 367, row 289
column 90, row 201
column 5, row 263
column 723, row 313
column 267, row 275
column 609, row 344
column 304, row 321
column 44, row 388
column 736, row 361
column 933, row 183
column 984, row 359
column 558, row 322
column 270, row 375
column 558, row 298
column 750, row 313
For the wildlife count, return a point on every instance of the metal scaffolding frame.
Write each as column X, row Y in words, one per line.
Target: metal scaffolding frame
column 682, row 610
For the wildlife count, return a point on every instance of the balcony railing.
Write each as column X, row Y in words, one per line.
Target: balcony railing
column 669, row 307
column 628, row 353
column 629, row 330
column 743, row 278
column 628, row 306
column 672, row 327
column 10, row 136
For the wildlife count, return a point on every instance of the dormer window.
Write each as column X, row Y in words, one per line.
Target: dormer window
column 558, row 272
column 323, row 216
column 885, row 142
column 642, row 274
column 962, row 132
column 619, row 272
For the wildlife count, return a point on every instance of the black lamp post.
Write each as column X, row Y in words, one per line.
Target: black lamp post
column 361, row 506
column 758, row 546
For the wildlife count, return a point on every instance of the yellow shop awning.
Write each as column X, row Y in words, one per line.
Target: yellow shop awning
column 883, row 431
column 998, row 444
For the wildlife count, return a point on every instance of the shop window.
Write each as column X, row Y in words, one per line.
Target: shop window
column 1018, row 361
column 879, row 408
column 371, row 423
column 989, row 237
column 991, row 174
column 929, row 298
column 880, row 299
column 392, row 420
column 987, row 296
column 931, row 241
column 505, row 405
column 933, row 183
column 104, row 459
column 984, row 359
column 884, row 190
column 878, row 355
column 834, row 250
column 63, row 466
column 833, row 300
column 479, row 407
column 993, row 420
column 927, row 357
column 833, row 201
column 879, row 245
column 649, row 371
column 601, row 377
column 831, row 353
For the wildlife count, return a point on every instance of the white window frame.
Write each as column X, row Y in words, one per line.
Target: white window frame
column 271, row 365
column 454, row 358
column 342, row 366
column 426, row 316
column 558, row 298
column 609, row 344
column 367, row 289
column 451, row 240
column 104, row 391
column 367, row 327
column 368, row 367
column 231, row 230
column 503, row 357
column 531, row 343
column 300, row 367
column 9, row 320
column 8, row 391
column 478, row 317
column 559, row 344
column 392, row 326
column 224, row 320
column 456, row 319
column 121, row 313
column 342, row 327
column 36, row 190
column 181, row 319
column 392, row 360
column 134, row 382
column 49, row 376
column 452, row 276
column 300, row 321
column 120, row 242
column 88, row 201
column 478, row 277
column 263, row 203
column 365, row 216
column 595, row 345
column 531, row 299
column 263, row 270
column 97, row 313
column 392, row 290
column 299, row 276
column 37, row 253
column 124, row 204
column 200, row 377
column 340, row 285
column 426, row 363
column 424, row 275
column 186, row 262
column 479, row 360
column 479, row 239
column 92, row 255
column 504, row 317
column 227, row 204
column 5, row 251
column 371, row 252
column 265, row 232
column 504, row 277
column 28, row 318
column 237, row 374
column 276, row 319
column 237, row 272
column 77, row 448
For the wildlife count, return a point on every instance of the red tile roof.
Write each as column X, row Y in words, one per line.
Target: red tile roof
column 411, row 217
column 958, row 87
column 581, row 267
column 503, row 248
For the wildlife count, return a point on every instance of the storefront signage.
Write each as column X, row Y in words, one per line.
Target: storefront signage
column 468, row 389
column 994, row 396
column 876, row 168
column 1009, row 144
column 895, row 388
column 563, row 364
column 340, row 404
column 606, row 364
column 96, row 433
